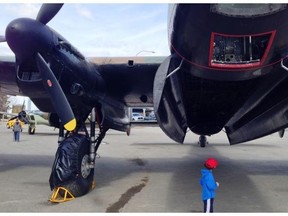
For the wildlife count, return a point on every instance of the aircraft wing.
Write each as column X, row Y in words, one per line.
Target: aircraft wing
column 8, row 85
column 128, row 82
column 9, row 114
column 129, row 79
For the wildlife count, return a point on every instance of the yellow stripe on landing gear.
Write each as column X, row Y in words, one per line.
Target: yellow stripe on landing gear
column 57, row 198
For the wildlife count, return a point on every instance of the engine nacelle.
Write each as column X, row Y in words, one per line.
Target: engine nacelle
column 168, row 103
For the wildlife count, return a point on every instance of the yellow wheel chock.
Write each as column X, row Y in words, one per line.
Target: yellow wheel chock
column 93, row 185
column 57, row 198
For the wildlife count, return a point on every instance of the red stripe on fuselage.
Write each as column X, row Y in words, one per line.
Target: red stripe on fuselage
column 244, row 65
column 258, row 66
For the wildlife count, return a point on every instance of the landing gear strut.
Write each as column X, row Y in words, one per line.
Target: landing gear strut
column 31, row 129
column 73, row 168
column 202, row 141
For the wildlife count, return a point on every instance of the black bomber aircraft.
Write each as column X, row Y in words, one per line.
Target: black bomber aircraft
column 227, row 70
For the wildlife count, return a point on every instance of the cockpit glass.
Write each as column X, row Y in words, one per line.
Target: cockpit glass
column 246, row 10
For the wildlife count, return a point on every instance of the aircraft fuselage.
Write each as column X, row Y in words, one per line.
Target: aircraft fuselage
column 221, row 53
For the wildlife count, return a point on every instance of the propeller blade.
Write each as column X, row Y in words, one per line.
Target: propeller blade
column 2, row 38
column 23, row 105
column 58, row 98
column 47, row 12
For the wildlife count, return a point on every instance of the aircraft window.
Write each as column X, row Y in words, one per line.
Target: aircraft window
column 239, row 51
column 32, row 117
column 246, row 10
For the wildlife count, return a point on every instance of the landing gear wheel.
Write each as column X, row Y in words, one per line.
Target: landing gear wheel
column 31, row 130
column 202, row 141
column 71, row 166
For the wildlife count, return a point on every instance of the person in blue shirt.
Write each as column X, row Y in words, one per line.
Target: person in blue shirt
column 17, row 128
column 209, row 185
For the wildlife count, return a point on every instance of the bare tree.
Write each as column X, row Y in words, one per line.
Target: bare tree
column 4, row 102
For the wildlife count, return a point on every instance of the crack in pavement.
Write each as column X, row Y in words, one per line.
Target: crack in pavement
column 124, row 199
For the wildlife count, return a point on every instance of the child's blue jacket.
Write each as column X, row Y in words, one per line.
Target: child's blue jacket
column 208, row 184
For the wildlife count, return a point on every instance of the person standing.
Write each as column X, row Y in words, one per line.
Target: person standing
column 209, row 185
column 17, row 128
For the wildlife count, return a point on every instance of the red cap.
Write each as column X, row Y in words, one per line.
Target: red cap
column 211, row 163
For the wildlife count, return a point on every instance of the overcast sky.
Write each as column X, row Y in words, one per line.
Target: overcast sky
column 102, row 29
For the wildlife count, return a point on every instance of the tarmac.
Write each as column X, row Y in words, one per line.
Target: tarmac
column 148, row 172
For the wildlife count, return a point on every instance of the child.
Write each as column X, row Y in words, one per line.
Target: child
column 208, row 184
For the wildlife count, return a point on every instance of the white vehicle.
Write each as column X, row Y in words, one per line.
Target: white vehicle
column 137, row 117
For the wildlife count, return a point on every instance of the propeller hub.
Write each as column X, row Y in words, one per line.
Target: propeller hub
column 26, row 36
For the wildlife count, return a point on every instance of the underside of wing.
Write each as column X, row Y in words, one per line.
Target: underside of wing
column 129, row 80
column 8, row 83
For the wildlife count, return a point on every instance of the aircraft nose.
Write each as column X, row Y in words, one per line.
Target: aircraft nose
column 26, row 36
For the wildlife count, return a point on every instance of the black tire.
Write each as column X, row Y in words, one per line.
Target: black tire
column 202, row 141
column 31, row 130
column 68, row 171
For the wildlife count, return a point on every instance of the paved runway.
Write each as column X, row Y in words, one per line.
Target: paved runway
column 148, row 172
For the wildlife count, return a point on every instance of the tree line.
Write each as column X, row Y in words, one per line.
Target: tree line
column 4, row 102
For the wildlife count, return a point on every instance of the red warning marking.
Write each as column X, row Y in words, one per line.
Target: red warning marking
column 49, row 83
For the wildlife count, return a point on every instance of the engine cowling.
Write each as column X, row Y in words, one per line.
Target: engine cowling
column 168, row 103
